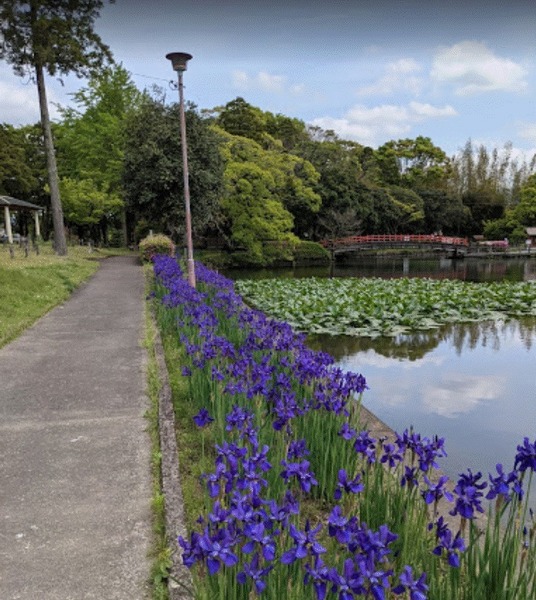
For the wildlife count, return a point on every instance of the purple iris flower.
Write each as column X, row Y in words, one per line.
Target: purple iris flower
column 317, row 573
column 348, row 584
column 191, row 552
column 409, row 477
column 203, row 418
column 304, row 544
column 346, row 432
column 301, row 472
column 390, row 456
column 526, row 456
column 238, row 418
column 417, row 588
column 468, row 495
column 257, row 536
column 436, row 491
column 217, row 550
column 338, row 526
column 365, row 445
column 344, row 484
column 297, row 449
column 500, row 485
column 256, row 574
column 452, row 545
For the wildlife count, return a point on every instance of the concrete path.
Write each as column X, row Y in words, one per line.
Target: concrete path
column 75, row 485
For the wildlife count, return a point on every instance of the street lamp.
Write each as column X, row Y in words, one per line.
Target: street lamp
column 178, row 62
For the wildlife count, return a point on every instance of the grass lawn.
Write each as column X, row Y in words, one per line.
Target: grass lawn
column 30, row 286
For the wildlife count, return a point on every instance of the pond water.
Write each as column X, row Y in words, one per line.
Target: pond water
column 474, row 384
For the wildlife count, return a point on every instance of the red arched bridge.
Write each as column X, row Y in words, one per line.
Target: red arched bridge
column 454, row 245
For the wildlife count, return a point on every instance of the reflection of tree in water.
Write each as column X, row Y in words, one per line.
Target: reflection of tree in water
column 490, row 333
column 414, row 346
column 408, row 346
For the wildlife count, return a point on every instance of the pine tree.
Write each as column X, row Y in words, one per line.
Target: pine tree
column 56, row 36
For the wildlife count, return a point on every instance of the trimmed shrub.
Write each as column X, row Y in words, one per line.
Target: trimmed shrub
column 156, row 244
column 311, row 251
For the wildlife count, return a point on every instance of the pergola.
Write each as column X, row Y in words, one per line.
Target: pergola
column 10, row 204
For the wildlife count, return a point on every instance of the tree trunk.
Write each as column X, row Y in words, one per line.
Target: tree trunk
column 60, row 243
column 124, row 228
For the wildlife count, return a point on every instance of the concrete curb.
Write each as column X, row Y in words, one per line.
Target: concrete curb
column 180, row 584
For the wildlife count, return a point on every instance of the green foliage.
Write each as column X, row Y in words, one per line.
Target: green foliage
column 415, row 163
column 91, row 145
column 265, row 191
column 153, row 171
column 16, row 176
column 444, row 212
column 91, row 137
column 340, row 186
column 240, row 118
column 56, row 35
column 373, row 307
column 311, row 251
column 512, row 224
column 156, row 244
column 85, row 204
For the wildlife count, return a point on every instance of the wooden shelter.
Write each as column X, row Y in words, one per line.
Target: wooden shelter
column 531, row 234
column 12, row 204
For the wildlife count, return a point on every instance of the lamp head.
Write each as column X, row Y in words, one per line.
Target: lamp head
column 179, row 60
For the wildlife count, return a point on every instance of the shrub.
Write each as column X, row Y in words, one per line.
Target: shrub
column 156, row 244
column 311, row 251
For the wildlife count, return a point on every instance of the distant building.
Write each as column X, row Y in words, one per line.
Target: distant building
column 531, row 235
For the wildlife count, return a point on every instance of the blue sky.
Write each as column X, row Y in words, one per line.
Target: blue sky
column 372, row 71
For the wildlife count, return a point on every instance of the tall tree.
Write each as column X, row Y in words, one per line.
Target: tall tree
column 269, row 194
column 91, row 139
column 152, row 170
column 56, row 36
column 418, row 163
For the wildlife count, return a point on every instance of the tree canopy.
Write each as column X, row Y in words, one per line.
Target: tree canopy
column 56, row 36
column 153, row 174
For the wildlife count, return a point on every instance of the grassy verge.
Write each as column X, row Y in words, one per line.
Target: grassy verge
column 32, row 285
column 160, row 552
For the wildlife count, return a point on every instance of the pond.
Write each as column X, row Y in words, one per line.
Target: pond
column 474, row 384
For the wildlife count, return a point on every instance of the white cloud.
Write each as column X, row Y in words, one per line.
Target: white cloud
column 265, row 82
column 379, row 361
column 457, row 393
column 370, row 126
column 399, row 77
column 473, row 68
column 527, row 131
column 20, row 103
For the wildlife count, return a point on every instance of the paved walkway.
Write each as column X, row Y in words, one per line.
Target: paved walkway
column 75, row 484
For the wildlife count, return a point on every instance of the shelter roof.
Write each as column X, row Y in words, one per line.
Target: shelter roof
column 18, row 204
column 531, row 231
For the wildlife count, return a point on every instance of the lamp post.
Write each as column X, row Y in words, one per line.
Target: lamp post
column 179, row 61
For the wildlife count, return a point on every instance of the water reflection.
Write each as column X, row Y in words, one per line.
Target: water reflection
column 415, row 346
column 469, row 269
column 474, row 384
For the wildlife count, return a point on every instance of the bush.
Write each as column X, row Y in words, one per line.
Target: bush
column 311, row 251
column 156, row 244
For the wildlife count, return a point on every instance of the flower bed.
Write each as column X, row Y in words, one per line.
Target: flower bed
column 302, row 501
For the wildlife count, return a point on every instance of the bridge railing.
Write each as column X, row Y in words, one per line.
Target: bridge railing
column 356, row 240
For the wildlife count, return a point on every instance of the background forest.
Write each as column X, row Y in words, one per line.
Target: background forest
column 263, row 186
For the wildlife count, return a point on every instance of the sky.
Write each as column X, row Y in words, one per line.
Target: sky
column 372, row 71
